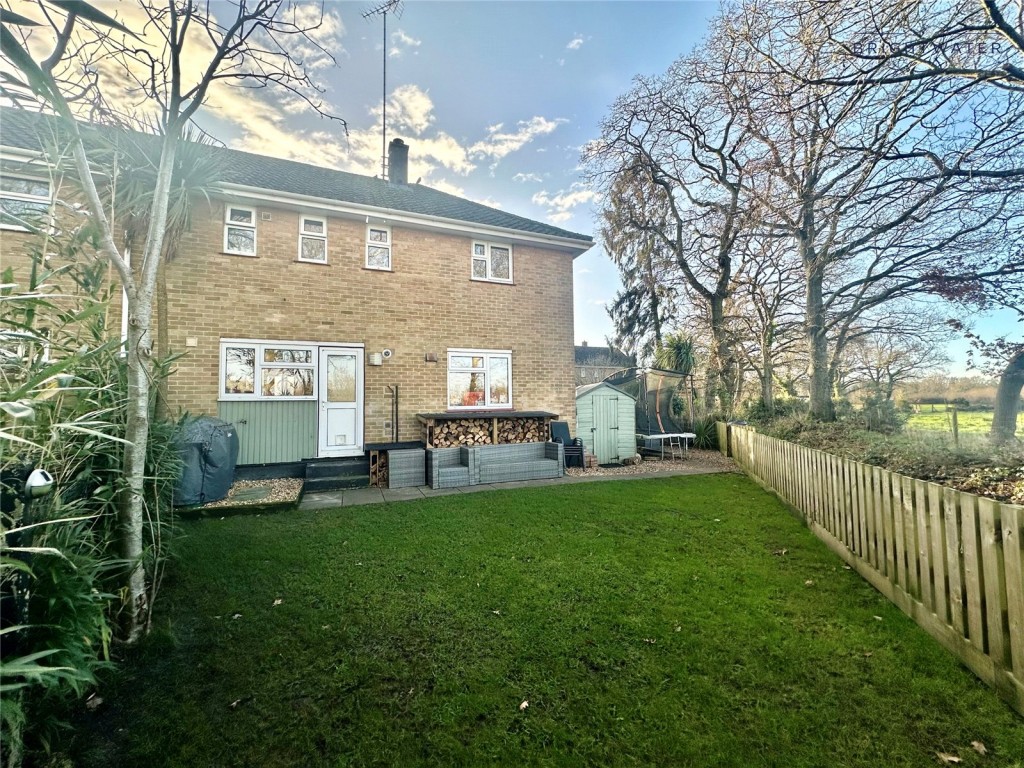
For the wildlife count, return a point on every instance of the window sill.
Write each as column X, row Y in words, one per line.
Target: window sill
column 310, row 261
column 493, row 282
column 243, row 255
column 257, row 399
column 377, row 269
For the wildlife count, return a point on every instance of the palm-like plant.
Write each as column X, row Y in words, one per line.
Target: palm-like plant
column 676, row 354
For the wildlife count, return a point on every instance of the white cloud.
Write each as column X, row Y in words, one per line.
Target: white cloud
column 575, row 44
column 524, row 177
column 561, row 204
column 501, row 143
column 410, row 109
column 401, row 42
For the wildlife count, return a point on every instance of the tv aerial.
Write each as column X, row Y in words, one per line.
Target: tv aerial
column 382, row 9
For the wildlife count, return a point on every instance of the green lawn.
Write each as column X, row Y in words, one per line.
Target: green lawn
column 680, row 622
column 968, row 422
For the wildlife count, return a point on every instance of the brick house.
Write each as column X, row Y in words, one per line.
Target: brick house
column 321, row 311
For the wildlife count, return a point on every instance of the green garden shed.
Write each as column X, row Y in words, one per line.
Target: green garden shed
column 606, row 421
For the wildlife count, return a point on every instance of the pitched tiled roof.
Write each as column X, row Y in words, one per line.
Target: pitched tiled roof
column 22, row 130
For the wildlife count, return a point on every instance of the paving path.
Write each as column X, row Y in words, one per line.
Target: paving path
column 356, row 496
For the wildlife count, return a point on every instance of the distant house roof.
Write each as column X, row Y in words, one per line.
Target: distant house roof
column 603, row 356
column 241, row 170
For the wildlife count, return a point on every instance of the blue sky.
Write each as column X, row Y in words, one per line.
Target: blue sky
column 496, row 100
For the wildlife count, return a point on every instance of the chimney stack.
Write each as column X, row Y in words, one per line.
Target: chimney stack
column 398, row 162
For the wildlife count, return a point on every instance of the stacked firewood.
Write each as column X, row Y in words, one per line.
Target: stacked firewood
column 448, row 434
column 521, row 431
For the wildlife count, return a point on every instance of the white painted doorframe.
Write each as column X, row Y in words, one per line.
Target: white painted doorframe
column 340, row 401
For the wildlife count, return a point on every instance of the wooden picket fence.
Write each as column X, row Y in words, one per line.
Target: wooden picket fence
column 952, row 561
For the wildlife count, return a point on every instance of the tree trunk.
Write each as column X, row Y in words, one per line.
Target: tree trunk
column 1004, row 421
column 140, row 354
column 767, row 378
column 133, row 503
column 821, row 406
column 720, row 385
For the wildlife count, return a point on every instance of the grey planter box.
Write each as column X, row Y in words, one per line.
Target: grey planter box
column 407, row 468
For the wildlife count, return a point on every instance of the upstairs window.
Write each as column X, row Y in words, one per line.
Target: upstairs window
column 24, row 202
column 493, row 262
column 479, row 379
column 378, row 248
column 264, row 370
column 313, row 239
column 240, row 230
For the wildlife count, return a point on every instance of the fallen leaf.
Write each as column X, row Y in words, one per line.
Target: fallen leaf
column 718, row 519
column 947, row 759
column 94, row 701
column 278, row 601
column 868, row 654
column 809, row 583
column 979, row 747
column 235, row 703
column 650, row 640
column 524, row 705
column 847, row 568
column 679, row 629
column 237, row 616
column 878, row 618
column 780, row 552
column 496, row 613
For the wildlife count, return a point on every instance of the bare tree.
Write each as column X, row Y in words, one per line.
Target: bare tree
column 768, row 316
column 170, row 62
column 852, row 183
column 682, row 134
column 905, row 344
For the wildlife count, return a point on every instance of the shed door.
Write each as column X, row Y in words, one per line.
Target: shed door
column 606, row 428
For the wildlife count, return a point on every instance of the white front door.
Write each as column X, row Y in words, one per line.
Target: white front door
column 340, row 401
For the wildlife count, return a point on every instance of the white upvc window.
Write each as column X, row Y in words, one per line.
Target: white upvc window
column 240, row 230
column 479, row 379
column 378, row 247
column 267, row 370
column 24, row 202
column 313, row 239
column 492, row 261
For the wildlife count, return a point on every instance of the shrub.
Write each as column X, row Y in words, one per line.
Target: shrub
column 63, row 392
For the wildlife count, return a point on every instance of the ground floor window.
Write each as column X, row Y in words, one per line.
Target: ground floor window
column 24, row 202
column 267, row 369
column 479, row 379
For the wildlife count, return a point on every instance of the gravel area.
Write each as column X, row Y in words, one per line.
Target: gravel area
column 692, row 459
column 245, row 493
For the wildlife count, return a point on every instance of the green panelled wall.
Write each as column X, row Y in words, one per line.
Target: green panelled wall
column 270, row 432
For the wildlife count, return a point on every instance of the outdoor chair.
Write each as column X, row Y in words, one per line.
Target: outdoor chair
column 573, row 445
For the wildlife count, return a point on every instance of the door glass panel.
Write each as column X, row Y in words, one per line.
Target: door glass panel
column 341, row 379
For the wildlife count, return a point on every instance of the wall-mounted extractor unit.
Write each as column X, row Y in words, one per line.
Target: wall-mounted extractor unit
column 375, row 358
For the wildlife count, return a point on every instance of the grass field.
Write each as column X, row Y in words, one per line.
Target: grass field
column 968, row 422
column 681, row 622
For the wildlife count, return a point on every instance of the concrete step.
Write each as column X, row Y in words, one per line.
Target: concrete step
column 338, row 468
column 336, row 483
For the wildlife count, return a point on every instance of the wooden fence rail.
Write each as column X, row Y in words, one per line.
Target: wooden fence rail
column 952, row 561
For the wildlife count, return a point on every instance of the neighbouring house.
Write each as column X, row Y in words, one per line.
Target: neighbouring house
column 594, row 364
column 321, row 311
